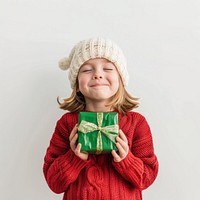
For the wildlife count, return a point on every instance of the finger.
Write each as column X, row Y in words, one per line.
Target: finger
column 122, row 144
column 122, row 151
column 78, row 149
column 73, row 141
column 82, row 155
column 118, row 139
column 121, row 141
column 115, row 156
column 74, row 131
column 122, row 136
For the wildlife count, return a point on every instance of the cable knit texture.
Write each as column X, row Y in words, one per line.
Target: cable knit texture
column 100, row 177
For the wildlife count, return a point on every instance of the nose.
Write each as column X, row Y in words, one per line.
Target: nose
column 96, row 76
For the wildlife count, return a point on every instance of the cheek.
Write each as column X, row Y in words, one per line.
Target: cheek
column 116, row 80
column 82, row 82
column 115, row 84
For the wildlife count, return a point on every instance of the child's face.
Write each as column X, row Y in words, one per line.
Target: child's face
column 98, row 80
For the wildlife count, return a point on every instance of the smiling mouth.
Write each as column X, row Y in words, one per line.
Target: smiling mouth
column 99, row 85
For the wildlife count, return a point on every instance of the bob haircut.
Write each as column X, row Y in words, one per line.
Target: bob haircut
column 122, row 101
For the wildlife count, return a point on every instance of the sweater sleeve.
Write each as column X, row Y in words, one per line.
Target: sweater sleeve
column 61, row 166
column 140, row 167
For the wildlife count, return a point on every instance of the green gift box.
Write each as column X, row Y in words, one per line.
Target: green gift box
column 97, row 131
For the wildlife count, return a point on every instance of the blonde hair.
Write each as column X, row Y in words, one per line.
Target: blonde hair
column 122, row 101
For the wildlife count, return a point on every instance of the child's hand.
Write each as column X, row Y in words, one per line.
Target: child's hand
column 73, row 144
column 122, row 145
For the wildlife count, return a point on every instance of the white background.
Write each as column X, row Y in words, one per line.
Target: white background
column 161, row 40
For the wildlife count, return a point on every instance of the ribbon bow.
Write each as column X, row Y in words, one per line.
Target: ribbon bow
column 109, row 131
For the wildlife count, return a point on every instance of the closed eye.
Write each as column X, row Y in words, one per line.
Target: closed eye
column 87, row 70
column 108, row 69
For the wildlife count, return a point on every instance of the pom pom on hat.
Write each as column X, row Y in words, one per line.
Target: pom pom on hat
column 90, row 49
column 64, row 63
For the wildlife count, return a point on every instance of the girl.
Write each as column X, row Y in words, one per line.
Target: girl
column 98, row 77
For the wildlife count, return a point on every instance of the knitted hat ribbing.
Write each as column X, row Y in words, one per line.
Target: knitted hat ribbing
column 90, row 49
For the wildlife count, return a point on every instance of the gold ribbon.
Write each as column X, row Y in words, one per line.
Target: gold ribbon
column 108, row 131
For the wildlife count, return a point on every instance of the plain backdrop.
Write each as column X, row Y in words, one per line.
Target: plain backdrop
column 161, row 41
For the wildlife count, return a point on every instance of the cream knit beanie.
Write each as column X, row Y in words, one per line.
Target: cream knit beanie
column 90, row 49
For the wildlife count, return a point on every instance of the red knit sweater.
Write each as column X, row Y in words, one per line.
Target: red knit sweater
column 100, row 177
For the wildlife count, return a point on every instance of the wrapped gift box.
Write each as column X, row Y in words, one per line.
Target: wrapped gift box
column 97, row 131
